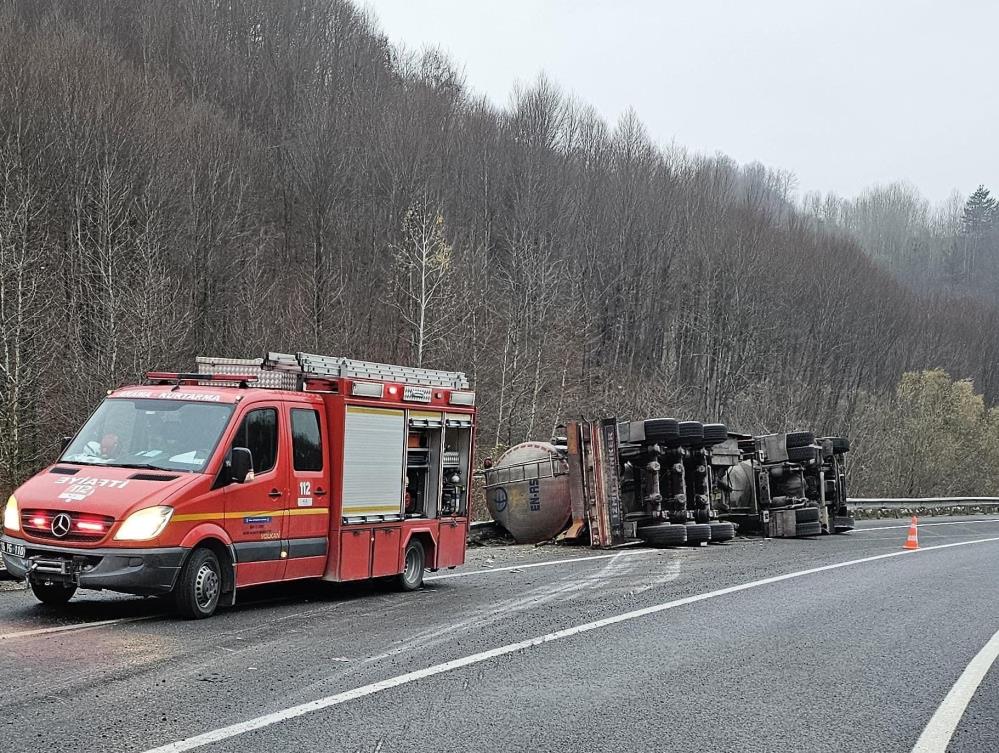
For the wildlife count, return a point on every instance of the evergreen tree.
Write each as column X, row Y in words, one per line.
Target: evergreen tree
column 981, row 213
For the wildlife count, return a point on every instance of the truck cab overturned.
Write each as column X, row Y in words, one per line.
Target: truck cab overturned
column 252, row 472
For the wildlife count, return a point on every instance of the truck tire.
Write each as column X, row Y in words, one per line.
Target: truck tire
column 806, row 515
column 698, row 533
column 662, row 430
column 663, row 534
column 715, row 434
column 52, row 594
column 843, row 523
column 691, row 432
column 802, row 454
column 808, row 529
column 798, row 439
column 839, row 444
column 722, row 531
column 196, row 594
column 414, row 564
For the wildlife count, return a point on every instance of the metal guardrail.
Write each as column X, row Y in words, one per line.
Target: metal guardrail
column 875, row 502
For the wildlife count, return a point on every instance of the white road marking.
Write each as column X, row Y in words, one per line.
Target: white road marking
column 942, row 724
column 338, row 699
column 486, row 571
column 924, row 525
column 76, row 626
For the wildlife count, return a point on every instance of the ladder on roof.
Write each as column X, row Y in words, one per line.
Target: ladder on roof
column 286, row 370
column 333, row 367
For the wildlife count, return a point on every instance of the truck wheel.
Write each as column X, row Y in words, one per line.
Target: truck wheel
column 798, row 439
column 806, row 515
column 411, row 578
column 52, row 594
column 661, row 430
column 698, row 533
column 802, row 454
column 808, row 529
column 663, row 534
column 722, row 531
column 196, row 594
column 843, row 523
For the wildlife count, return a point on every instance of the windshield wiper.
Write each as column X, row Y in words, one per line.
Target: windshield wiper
column 147, row 467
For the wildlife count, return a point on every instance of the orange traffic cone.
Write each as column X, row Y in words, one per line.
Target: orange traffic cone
column 912, row 541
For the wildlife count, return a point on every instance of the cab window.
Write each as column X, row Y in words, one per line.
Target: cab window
column 259, row 434
column 306, row 440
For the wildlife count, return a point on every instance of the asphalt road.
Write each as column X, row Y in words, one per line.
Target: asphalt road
column 681, row 649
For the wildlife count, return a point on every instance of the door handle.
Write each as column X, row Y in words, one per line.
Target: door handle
column 320, row 492
column 274, row 494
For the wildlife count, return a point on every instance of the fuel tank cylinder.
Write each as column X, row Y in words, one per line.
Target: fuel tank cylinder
column 527, row 492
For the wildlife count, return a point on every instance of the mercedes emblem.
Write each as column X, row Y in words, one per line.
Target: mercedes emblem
column 61, row 525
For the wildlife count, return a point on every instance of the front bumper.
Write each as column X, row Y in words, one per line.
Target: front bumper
column 143, row 572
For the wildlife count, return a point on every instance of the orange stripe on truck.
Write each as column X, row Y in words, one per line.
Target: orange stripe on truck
column 198, row 516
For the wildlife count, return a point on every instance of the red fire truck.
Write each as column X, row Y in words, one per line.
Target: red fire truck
column 249, row 472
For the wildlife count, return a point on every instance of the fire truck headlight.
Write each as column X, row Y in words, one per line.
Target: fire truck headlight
column 11, row 515
column 144, row 524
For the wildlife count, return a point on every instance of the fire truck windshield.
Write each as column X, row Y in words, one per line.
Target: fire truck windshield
column 174, row 435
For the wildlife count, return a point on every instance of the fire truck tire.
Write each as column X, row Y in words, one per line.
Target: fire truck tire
column 808, row 529
column 806, row 515
column 663, row 534
column 722, row 531
column 196, row 595
column 698, row 533
column 52, row 594
column 414, row 563
column 799, row 439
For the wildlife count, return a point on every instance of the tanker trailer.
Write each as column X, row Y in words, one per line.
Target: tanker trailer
column 699, row 480
column 527, row 491
column 666, row 481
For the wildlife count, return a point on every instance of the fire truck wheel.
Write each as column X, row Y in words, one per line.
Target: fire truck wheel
column 52, row 594
column 411, row 578
column 663, row 534
column 196, row 594
column 722, row 531
column 698, row 533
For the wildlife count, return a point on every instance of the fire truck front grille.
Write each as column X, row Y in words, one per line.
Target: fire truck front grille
column 60, row 525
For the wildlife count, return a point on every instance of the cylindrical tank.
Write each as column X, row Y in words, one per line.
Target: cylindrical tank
column 527, row 492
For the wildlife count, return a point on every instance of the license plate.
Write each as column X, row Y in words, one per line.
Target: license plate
column 15, row 549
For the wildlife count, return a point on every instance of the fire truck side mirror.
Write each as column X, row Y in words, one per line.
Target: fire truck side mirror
column 240, row 464
column 64, row 443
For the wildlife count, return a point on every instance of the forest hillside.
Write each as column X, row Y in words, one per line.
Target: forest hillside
column 226, row 178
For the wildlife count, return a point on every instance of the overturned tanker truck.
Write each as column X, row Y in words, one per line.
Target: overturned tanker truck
column 668, row 483
column 782, row 485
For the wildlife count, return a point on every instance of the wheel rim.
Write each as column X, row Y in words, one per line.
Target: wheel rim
column 206, row 586
column 412, row 566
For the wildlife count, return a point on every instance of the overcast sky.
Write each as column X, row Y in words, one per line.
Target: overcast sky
column 843, row 93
